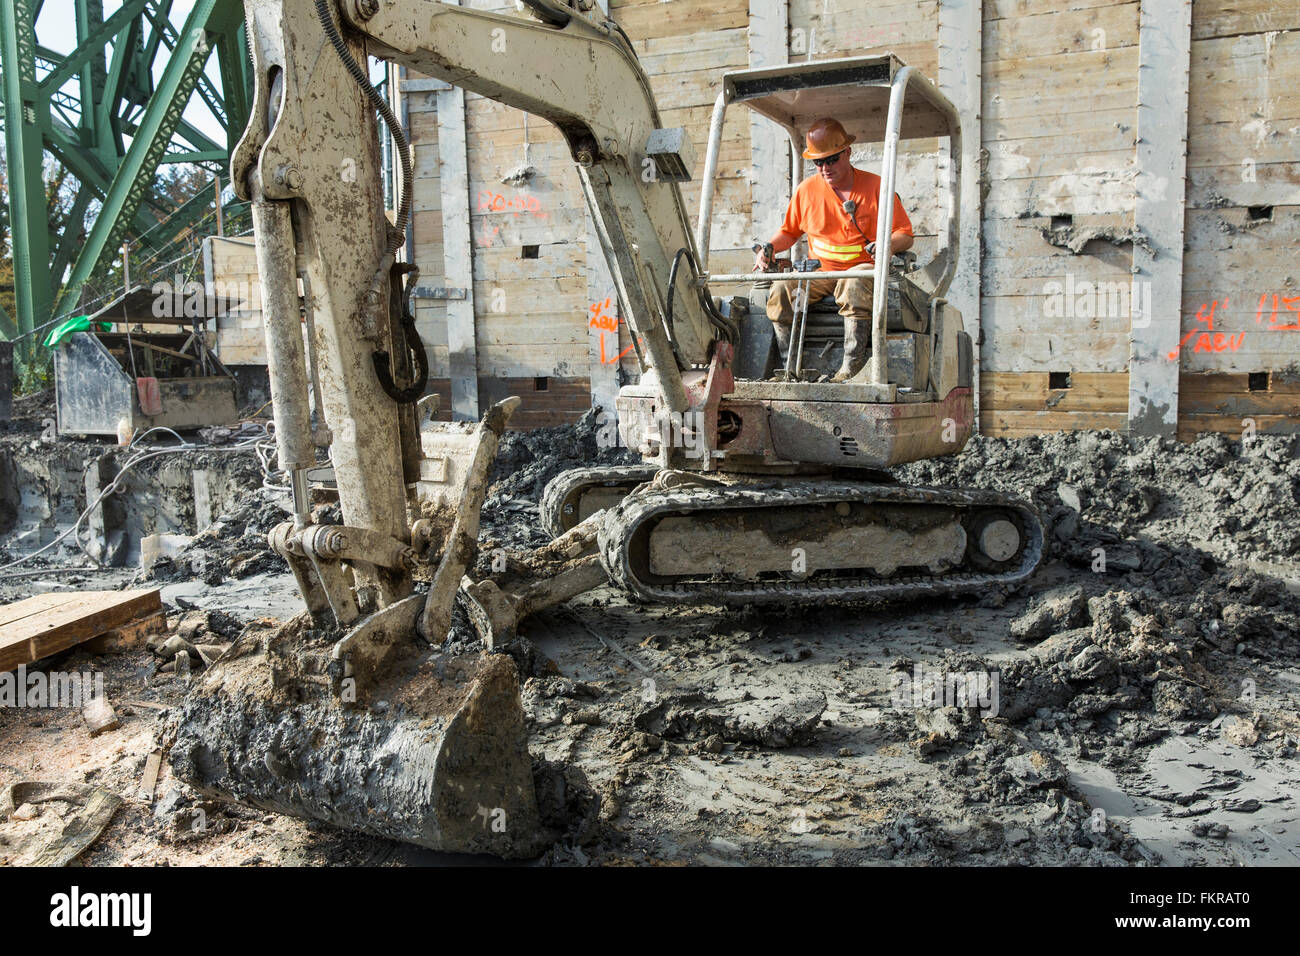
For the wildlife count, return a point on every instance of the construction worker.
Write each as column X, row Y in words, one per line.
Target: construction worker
column 836, row 206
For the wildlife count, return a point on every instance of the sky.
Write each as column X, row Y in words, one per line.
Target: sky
column 56, row 28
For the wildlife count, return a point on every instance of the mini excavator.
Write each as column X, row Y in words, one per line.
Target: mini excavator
column 354, row 713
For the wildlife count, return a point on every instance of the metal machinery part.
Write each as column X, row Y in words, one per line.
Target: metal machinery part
column 577, row 494
column 350, row 714
column 786, row 542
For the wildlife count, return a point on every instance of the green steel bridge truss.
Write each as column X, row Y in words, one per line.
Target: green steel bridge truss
column 101, row 113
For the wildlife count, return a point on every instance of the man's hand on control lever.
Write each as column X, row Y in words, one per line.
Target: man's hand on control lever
column 763, row 256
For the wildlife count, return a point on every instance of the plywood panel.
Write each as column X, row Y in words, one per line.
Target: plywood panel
column 46, row 624
column 1069, row 31
column 1214, row 18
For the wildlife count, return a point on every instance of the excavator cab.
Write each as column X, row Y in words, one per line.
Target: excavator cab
column 913, row 399
column 878, row 100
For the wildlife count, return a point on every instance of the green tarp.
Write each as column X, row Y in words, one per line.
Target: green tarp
column 81, row 323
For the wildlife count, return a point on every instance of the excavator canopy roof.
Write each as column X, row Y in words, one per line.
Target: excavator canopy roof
column 854, row 90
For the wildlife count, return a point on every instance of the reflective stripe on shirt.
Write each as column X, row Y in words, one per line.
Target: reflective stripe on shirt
column 838, row 253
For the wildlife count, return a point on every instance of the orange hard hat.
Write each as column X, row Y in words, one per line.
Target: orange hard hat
column 826, row 137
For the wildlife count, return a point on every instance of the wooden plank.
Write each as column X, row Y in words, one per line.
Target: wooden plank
column 691, row 58
column 59, row 625
column 1043, row 104
column 458, row 251
column 1011, row 9
column 562, row 402
column 1054, row 33
column 37, row 604
column 1229, row 18
column 961, row 79
column 1016, row 424
column 1030, row 391
column 1020, row 351
column 497, row 361
column 534, row 334
column 1190, row 426
column 1242, row 404
column 1100, row 289
column 1161, row 197
column 1050, row 157
column 723, row 40
column 1224, row 144
column 128, row 636
column 1059, row 118
column 1247, row 58
column 641, row 21
column 1273, row 184
column 1232, row 383
column 152, row 765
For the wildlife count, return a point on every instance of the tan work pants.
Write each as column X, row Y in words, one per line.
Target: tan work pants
column 852, row 295
column 854, row 299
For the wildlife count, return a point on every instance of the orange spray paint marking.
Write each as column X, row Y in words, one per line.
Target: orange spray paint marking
column 612, row 359
column 1207, row 340
column 489, row 201
column 601, row 319
column 1291, row 304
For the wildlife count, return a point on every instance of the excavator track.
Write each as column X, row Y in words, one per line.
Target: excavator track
column 579, row 492
column 859, row 542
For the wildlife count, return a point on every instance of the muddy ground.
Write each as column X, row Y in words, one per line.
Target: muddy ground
column 1135, row 704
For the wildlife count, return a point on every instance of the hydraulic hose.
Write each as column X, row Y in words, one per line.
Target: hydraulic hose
column 398, row 237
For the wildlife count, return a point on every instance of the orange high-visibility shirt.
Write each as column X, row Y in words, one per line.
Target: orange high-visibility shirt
column 832, row 238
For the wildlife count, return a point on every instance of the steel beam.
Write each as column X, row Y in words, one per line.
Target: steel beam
column 94, row 43
column 135, row 174
column 28, row 228
column 81, row 107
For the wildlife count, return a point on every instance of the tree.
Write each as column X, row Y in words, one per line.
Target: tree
column 7, row 299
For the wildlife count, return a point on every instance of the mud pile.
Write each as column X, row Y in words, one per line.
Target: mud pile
column 30, row 413
column 235, row 545
column 1232, row 499
column 526, row 462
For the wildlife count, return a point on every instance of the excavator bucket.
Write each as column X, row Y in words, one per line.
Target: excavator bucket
column 372, row 727
column 439, row 760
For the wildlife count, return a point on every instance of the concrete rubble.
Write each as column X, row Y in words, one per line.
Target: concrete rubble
column 1135, row 704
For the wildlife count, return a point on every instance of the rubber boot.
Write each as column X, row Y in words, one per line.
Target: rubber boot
column 782, row 332
column 857, row 345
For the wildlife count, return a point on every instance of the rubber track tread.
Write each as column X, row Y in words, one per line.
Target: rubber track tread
column 620, row 523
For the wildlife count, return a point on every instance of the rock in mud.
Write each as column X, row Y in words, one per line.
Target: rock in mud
column 1178, row 700
column 1051, row 611
column 1036, row 769
column 776, row 722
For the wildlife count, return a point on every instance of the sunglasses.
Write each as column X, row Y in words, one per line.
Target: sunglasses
column 828, row 160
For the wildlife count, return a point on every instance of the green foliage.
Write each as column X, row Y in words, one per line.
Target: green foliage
column 34, row 371
column 7, row 299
